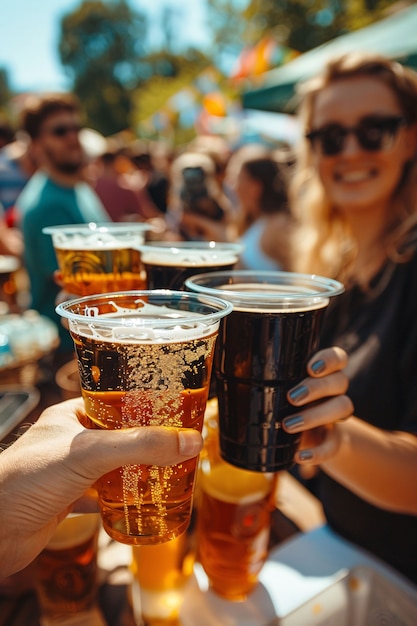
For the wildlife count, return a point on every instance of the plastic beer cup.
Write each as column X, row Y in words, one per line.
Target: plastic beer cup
column 99, row 258
column 145, row 358
column 168, row 264
column 262, row 351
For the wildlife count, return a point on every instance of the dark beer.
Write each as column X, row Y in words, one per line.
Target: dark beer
column 167, row 267
column 262, row 351
column 260, row 356
column 173, row 276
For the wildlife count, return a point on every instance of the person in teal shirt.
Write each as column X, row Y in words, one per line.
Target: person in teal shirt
column 56, row 194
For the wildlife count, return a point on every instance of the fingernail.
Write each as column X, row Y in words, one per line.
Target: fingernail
column 293, row 422
column 318, row 366
column 305, row 455
column 190, row 443
column 299, row 393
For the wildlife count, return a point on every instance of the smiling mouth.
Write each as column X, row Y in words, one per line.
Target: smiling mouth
column 355, row 177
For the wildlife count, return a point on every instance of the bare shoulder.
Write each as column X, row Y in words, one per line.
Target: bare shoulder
column 276, row 238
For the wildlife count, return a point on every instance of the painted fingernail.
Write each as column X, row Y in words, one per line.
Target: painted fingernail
column 190, row 443
column 293, row 422
column 305, row 455
column 318, row 366
column 298, row 393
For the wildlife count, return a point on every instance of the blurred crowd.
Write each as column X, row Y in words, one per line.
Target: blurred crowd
column 207, row 189
column 55, row 171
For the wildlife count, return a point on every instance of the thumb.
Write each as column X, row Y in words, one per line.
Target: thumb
column 101, row 451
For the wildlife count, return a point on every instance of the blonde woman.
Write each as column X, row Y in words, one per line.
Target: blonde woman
column 354, row 194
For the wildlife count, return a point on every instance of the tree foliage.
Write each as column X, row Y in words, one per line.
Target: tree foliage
column 171, row 74
column 101, row 44
column 5, row 91
column 297, row 24
column 103, row 47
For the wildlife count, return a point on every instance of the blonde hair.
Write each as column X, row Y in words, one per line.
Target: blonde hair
column 323, row 243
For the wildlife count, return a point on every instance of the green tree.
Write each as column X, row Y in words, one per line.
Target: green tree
column 101, row 45
column 169, row 74
column 5, row 90
column 297, row 24
column 305, row 24
column 230, row 30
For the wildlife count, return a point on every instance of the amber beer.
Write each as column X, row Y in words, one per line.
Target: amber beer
column 233, row 528
column 262, row 352
column 99, row 258
column 168, row 266
column 160, row 573
column 145, row 358
column 67, row 568
column 85, row 272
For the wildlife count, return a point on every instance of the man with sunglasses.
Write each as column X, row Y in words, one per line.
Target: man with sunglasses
column 56, row 194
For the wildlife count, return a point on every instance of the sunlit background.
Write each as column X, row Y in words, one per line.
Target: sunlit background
column 170, row 69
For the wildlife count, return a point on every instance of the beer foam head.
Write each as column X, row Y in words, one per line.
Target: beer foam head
column 267, row 291
column 191, row 254
column 74, row 530
column 95, row 236
column 188, row 258
column 236, row 486
column 131, row 318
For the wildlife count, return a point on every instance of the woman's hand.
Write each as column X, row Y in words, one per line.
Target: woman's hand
column 56, row 460
column 323, row 403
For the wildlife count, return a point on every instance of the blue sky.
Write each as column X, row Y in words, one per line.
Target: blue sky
column 29, row 37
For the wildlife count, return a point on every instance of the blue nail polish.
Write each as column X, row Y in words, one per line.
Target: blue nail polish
column 318, row 366
column 305, row 455
column 298, row 393
column 293, row 422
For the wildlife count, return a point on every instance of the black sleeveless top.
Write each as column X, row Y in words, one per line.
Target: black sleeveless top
column 378, row 329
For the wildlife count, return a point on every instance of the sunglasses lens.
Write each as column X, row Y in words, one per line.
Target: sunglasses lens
column 332, row 140
column 372, row 134
column 61, row 131
column 378, row 134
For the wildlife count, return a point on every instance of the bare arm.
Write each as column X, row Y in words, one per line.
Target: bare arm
column 377, row 465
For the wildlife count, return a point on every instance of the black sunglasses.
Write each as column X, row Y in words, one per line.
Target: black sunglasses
column 373, row 133
column 61, row 130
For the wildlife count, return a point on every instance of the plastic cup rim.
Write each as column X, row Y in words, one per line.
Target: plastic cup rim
column 223, row 308
column 200, row 246
column 330, row 286
column 96, row 227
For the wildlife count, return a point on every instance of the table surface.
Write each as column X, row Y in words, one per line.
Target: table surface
column 305, row 559
column 18, row 602
column 311, row 579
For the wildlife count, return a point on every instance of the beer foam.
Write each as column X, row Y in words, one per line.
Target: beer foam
column 97, row 240
column 236, row 486
column 189, row 258
column 283, row 298
column 74, row 530
column 144, row 324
